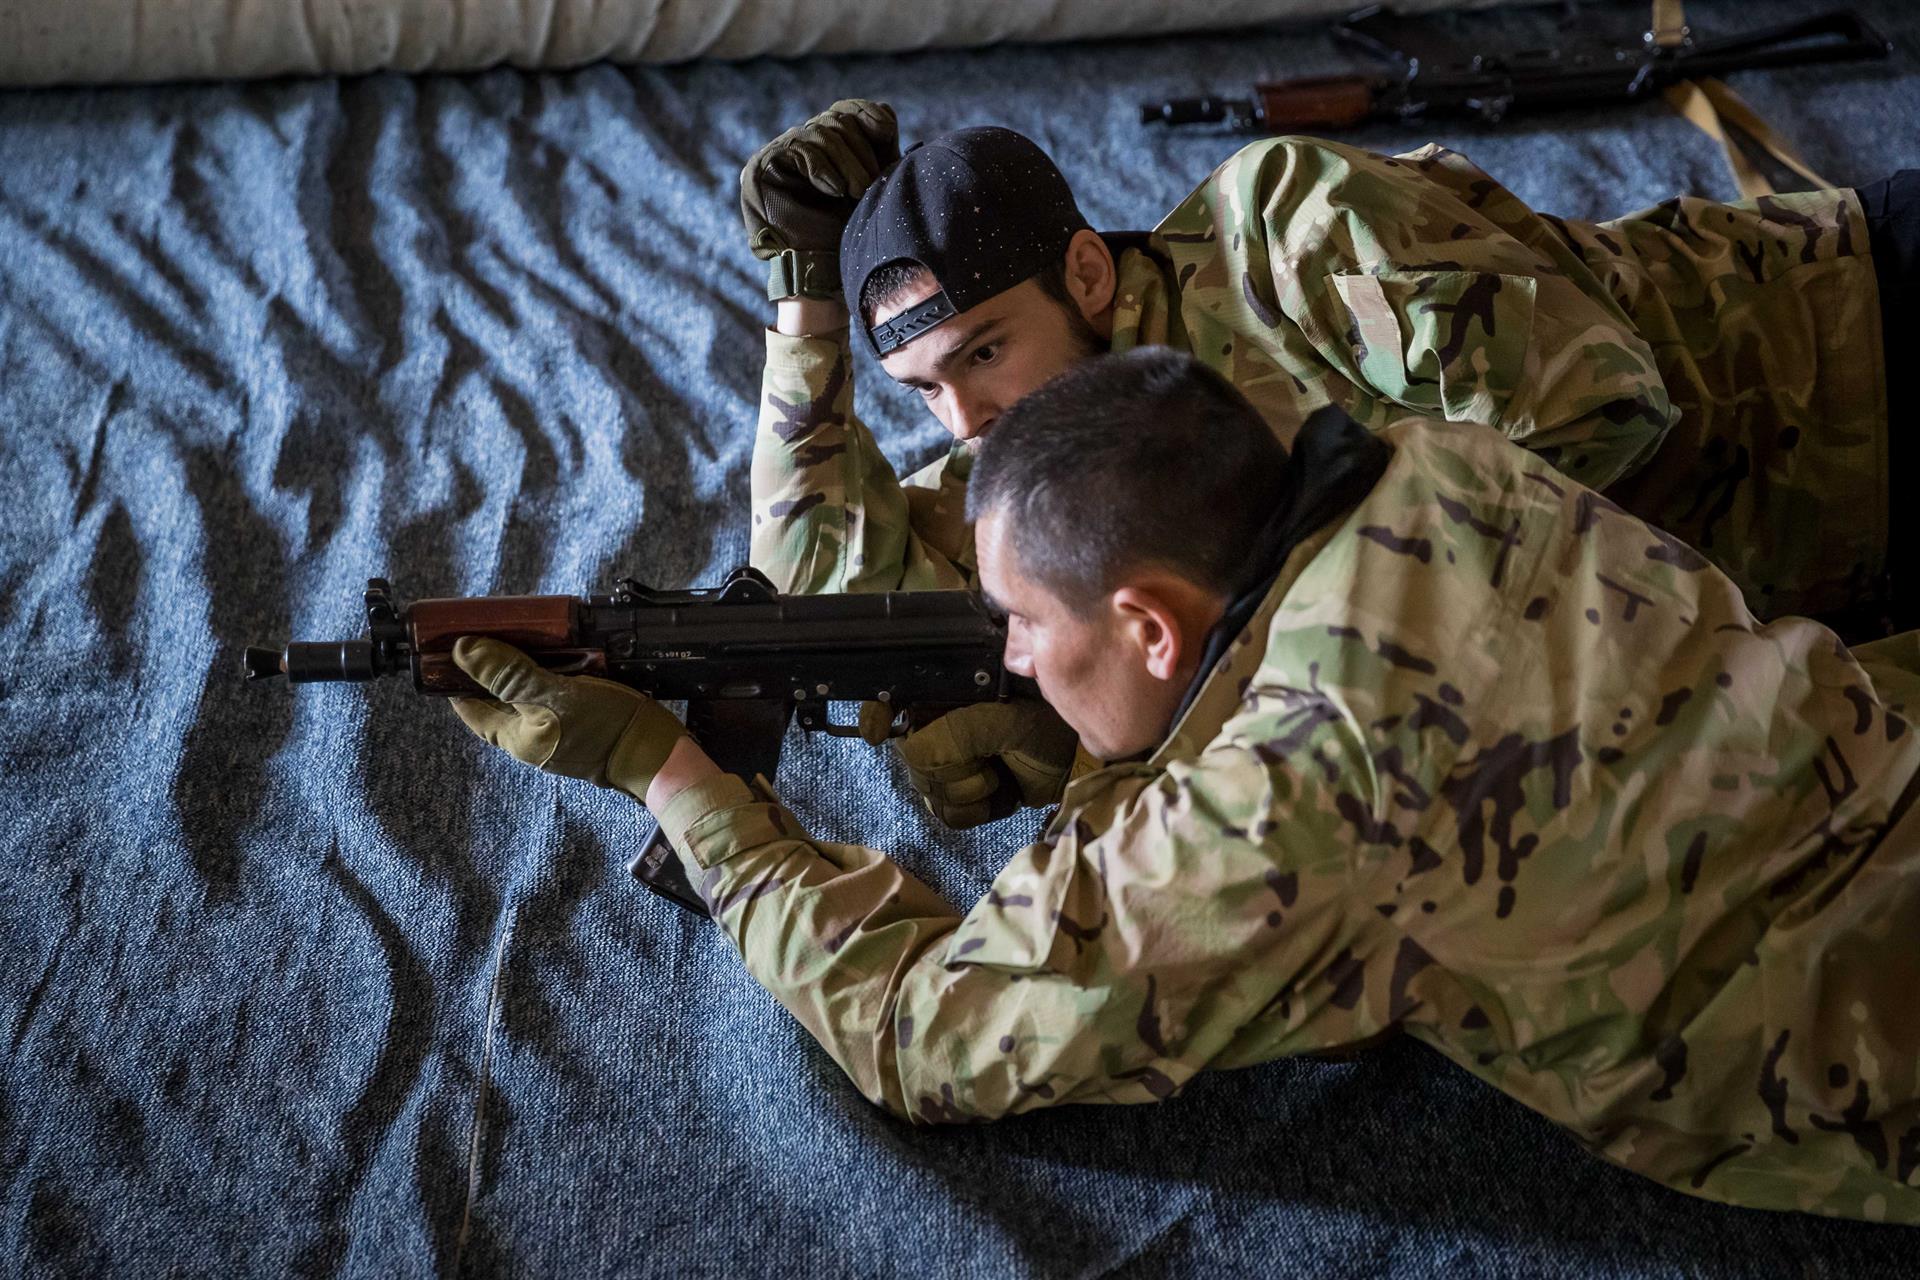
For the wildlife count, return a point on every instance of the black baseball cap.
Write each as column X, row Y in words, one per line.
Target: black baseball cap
column 982, row 209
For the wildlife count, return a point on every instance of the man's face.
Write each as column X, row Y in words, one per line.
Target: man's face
column 976, row 364
column 1089, row 662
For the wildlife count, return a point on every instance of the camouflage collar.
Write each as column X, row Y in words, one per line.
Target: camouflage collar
column 1336, row 462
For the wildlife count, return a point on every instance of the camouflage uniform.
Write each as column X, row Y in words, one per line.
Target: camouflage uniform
column 1493, row 763
column 1717, row 368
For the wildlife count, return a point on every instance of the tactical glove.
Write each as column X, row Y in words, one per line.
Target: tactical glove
column 979, row 763
column 576, row 726
column 797, row 192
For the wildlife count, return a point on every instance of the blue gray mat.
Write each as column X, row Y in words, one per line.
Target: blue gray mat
column 318, row 985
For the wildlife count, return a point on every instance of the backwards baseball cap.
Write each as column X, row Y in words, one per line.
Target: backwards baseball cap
column 982, row 209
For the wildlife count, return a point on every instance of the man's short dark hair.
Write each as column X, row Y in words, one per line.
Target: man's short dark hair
column 893, row 279
column 888, row 283
column 1128, row 461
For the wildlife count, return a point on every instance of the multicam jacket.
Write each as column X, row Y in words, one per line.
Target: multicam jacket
column 1716, row 368
column 1494, row 763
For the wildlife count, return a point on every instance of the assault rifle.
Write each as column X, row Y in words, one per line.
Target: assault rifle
column 746, row 661
column 1432, row 77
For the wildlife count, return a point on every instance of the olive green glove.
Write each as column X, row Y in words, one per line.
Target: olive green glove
column 979, row 763
column 797, row 192
column 576, row 726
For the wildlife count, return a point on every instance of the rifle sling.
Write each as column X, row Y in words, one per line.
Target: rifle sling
column 1714, row 109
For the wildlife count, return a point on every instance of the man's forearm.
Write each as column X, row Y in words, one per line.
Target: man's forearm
column 809, row 317
column 830, row 930
column 829, row 513
column 687, row 765
column 941, row 1017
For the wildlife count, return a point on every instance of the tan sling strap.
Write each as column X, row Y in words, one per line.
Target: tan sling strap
column 1711, row 107
column 1669, row 24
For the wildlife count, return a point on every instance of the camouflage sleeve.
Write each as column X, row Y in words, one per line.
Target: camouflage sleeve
column 1104, row 966
column 829, row 514
column 1413, row 291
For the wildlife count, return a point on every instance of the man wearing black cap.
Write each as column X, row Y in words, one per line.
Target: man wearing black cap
column 1740, row 343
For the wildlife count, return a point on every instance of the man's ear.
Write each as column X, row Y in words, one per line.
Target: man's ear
column 1150, row 627
column 1092, row 276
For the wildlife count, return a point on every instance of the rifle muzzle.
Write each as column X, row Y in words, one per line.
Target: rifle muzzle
column 1238, row 112
column 313, row 662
